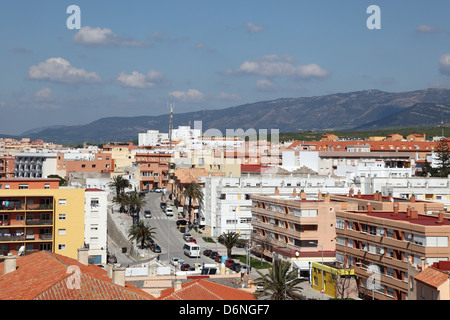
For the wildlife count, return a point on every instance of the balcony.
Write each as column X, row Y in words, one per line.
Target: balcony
column 35, row 222
column 11, row 237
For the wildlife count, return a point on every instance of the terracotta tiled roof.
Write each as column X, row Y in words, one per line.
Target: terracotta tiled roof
column 43, row 276
column 432, row 277
column 205, row 290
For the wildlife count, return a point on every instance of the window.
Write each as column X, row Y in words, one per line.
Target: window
column 436, row 241
column 407, row 236
column 389, row 233
column 62, row 232
column 389, row 252
column 363, row 228
column 6, row 186
column 350, row 225
column 350, row 243
column 62, row 202
column 62, row 216
column 380, row 231
column 340, row 224
column 390, row 272
column 372, row 230
column 419, row 240
column 61, row 246
column 363, row 246
column 47, row 186
column 94, row 227
column 340, row 240
column 23, row 186
column 380, row 250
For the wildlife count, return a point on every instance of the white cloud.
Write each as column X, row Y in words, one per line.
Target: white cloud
column 43, row 95
column 60, row 70
column 423, row 28
column 228, row 96
column 138, row 80
column 252, row 28
column 191, row 95
column 279, row 66
column 265, row 85
column 92, row 37
column 444, row 64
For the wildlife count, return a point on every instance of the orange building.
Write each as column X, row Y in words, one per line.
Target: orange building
column 88, row 162
column 7, row 164
column 35, row 183
column 154, row 168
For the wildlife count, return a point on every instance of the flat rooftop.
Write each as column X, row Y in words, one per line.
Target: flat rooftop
column 424, row 220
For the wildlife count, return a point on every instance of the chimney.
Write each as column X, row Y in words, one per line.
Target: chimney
column 414, row 214
column 408, row 212
column 118, row 276
column 10, row 263
column 359, row 194
column 327, row 198
column 412, row 199
column 395, row 205
column 375, row 196
column 319, row 196
column 390, row 198
column 440, row 218
column 83, row 256
column 369, row 207
column 177, row 285
column 277, row 192
column 302, row 195
column 351, row 193
column 424, row 263
column 294, row 193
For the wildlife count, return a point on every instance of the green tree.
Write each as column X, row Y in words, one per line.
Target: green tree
column 279, row 283
column 119, row 184
column 194, row 192
column 141, row 232
column 443, row 158
column 62, row 181
column 121, row 200
column 229, row 240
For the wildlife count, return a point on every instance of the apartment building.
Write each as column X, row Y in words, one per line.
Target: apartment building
column 7, row 165
column 95, row 228
column 378, row 243
column 296, row 229
column 35, row 165
column 101, row 162
column 123, row 155
column 35, row 217
column 154, row 169
column 227, row 200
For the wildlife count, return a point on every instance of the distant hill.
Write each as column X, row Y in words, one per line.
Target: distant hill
column 340, row 111
column 420, row 114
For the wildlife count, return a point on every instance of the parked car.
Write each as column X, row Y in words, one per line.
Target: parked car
column 218, row 258
column 155, row 248
column 157, row 189
column 185, row 267
column 147, row 214
column 192, row 240
column 229, row 263
column 150, row 241
column 176, row 261
column 235, row 266
column 213, row 254
column 153, row 190
column 240, row 267
column 163, row 205
column 181, row 222
column 207, row 252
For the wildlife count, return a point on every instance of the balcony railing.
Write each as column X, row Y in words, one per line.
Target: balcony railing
column 47, row 222
column 11, row 237
column 46, row 236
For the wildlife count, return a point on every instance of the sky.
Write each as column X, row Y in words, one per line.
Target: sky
column 133, row 58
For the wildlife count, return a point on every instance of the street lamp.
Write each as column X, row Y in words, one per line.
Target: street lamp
column 321, row 246
column 373, row 280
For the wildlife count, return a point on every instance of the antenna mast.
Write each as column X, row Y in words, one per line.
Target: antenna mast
column 170, row 125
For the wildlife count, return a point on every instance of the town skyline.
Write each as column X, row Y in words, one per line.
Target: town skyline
column 131, row 60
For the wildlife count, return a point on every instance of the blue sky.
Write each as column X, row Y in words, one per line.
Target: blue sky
column 131, row 58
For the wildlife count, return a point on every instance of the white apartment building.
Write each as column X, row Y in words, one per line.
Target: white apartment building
column 422, row 188
column 152, row 138
column 35, row 165
column 95, row 225
column 227, row 200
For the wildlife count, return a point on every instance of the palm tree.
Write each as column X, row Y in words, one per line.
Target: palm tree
column 119, row 183
column 279, row 283
column 121, row 200
column 141, row 232
column 194, row 192
column 135, row 203
column 229, row 240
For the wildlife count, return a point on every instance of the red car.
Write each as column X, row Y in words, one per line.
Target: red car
column 192, row 240
column 185, row 267
column 229, row 263
column 218, row 258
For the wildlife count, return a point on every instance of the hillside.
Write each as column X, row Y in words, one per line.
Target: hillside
column 340, row 111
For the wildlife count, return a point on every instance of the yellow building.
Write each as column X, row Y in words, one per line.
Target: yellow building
column 41, row 219
column 338, row 282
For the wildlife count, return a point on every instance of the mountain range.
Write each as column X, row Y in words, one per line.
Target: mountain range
column 359, row 110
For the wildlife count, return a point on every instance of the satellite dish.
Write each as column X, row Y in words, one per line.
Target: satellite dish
column 21, row 250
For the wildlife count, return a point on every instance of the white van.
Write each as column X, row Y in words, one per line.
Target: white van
column 192, row 250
